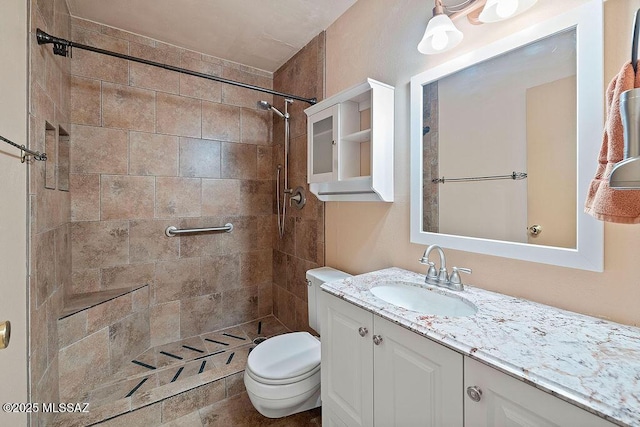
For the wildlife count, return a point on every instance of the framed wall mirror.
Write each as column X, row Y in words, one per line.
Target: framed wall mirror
column 505, row 141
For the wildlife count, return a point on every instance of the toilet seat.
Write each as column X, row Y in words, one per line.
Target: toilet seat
column 283, row 381
column 285, row 359
column 281, row 392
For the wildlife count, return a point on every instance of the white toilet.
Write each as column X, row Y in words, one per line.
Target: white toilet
column 282, row 376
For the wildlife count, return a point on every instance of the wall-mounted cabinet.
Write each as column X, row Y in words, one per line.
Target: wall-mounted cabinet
column 350, row 144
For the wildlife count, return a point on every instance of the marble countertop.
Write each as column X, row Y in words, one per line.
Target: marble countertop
column 592, row 363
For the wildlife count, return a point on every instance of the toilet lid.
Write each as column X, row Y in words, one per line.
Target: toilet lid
column 285, row 356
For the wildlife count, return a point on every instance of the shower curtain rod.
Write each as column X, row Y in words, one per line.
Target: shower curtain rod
column 60, row 48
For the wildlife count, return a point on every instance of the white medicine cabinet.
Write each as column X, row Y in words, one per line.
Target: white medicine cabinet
column 350, row 144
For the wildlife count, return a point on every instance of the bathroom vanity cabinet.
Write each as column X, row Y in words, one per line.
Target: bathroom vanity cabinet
column 350, row 144
column 377, row 373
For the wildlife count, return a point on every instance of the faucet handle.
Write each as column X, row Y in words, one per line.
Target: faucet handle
column 455, row 275
column 432, row 273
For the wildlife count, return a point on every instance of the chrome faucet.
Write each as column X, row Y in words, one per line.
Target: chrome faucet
column 441, row 277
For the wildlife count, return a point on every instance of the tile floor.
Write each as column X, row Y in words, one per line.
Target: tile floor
column 209, row 367
column 237, row 411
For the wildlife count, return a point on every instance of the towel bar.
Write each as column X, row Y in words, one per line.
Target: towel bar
column 25, row 151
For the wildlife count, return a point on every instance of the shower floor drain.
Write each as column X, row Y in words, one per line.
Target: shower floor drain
column 258, row 340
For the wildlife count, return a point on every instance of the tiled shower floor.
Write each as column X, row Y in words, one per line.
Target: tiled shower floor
column 167, row 370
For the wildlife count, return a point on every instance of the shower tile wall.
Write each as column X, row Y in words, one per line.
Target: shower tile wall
column 50, row 243
column 152, row 148
column 302, row 246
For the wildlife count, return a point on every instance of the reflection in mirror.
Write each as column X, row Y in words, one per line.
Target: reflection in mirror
column 500, row 136
column 528, row 106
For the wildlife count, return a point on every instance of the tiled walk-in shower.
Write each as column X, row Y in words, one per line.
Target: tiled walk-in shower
column 179, row 377
column 144, row 149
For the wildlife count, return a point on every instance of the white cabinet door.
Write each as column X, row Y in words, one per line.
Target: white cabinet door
column 347, row 362
column 417, row 382
column 330, row 419
column 322, row 131
column 508, row 402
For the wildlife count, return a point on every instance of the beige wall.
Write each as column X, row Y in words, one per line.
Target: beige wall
column 13, row 208
column 378, row 38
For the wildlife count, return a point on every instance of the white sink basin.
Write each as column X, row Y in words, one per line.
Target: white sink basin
column 412, row 297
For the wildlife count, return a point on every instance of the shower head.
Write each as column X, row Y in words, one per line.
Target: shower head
column 264, row 105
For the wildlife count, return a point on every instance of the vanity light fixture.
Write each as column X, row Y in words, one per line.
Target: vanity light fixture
column 441, row 33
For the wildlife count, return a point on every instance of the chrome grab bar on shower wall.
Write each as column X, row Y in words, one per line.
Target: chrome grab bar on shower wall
column 172, row 231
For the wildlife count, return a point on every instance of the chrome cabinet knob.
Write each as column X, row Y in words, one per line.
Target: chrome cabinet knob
column 363, row 331
column 474, row 393
column 377, row 339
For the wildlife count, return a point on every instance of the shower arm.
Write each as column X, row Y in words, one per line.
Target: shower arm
column 60, row 47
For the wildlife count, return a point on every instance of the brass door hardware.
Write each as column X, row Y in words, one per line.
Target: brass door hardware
column 5, row 334
column 535, row 230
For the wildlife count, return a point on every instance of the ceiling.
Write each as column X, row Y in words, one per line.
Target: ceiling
column 260, row 33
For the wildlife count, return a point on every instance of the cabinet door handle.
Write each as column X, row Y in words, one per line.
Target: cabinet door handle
column 377, row 339
column 474, row 393
column 363, row 331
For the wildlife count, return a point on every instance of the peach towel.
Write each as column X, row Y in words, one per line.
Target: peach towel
column 604, row 203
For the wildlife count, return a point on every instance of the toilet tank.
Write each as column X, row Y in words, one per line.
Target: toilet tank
column 315, row 278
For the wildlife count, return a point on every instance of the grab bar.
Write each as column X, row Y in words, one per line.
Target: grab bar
column 172, row 231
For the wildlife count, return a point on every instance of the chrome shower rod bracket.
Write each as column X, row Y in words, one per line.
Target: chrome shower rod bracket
column 61, row 47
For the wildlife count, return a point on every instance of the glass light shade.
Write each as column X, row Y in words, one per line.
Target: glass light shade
column 498, row 10
column 440, row 35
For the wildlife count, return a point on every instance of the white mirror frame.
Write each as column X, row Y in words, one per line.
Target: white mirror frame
column 588, row 254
